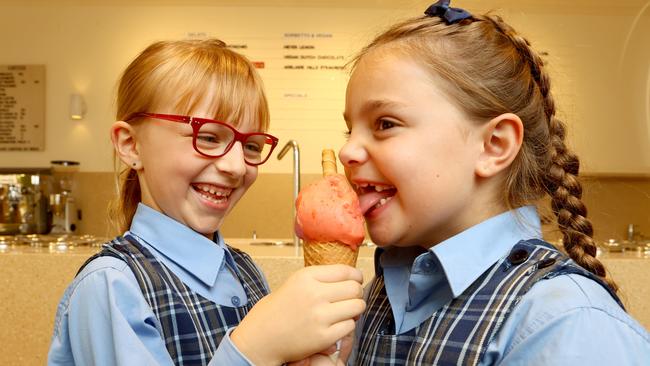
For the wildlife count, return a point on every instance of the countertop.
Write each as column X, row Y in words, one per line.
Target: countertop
column 33, row 280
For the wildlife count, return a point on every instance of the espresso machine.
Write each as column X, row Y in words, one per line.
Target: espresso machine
column 24, row 206
column 65, row 215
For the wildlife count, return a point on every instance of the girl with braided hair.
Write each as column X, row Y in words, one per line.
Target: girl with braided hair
column 452, row 138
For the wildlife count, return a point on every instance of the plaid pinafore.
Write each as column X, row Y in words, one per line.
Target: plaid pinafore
column 191, row 325
column 459, row 332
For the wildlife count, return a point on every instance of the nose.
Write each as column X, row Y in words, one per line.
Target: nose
column 353, row 152
column 233, row 162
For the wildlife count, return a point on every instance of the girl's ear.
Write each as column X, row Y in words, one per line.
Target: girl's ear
column 125, row 143
column 502, row 139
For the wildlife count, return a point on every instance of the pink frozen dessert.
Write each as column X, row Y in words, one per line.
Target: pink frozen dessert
column 329, row 219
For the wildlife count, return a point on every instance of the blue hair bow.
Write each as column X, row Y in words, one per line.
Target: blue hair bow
column 450, row 15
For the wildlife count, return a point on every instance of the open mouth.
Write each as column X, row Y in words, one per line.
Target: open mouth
column 373, row 196
column 212, row 193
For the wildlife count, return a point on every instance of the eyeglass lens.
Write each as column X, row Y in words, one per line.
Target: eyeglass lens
column 213, row 139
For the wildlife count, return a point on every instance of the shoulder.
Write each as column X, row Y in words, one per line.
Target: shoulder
column 575, row 316
column 104, row 284
column 569, row 293
column 102, row 276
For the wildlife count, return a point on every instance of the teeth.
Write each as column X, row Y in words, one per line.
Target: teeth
column 212, row 198
column 380, row 187
column 383, row 201
column 376, row 187
column 209, row 191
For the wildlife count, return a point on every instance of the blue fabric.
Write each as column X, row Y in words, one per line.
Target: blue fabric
column 106, row 295
column 561, row 314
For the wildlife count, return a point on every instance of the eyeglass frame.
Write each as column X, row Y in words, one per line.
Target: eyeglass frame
column 197, row 122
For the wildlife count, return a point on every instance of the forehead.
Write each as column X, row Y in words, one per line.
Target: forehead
column 383, row 79
column 212, row 103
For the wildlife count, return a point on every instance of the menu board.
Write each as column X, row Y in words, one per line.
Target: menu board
column 22, row 107
column 304, row 76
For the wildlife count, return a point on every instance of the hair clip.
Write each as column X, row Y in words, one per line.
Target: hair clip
column 450, row 15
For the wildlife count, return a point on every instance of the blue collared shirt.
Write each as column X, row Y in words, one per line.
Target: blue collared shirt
column 564, row 320
column 107, row 295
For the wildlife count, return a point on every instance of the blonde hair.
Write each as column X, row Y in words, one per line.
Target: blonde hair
column 176, row 73
column 489, row 69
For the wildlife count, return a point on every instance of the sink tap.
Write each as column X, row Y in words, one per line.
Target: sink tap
column 293, row 144
column 631, row 232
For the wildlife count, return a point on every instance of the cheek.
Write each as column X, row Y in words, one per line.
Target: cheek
column 251, row 176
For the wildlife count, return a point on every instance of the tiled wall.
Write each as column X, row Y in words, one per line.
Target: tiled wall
column 612, row 202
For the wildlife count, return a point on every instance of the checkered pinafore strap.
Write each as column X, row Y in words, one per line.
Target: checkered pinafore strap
column 458, row 333
column 192, row 326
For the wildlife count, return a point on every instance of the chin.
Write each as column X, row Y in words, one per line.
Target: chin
column 206, row 229
column 381, row 238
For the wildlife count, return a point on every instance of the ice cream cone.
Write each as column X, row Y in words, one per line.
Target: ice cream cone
column 328, row 162
column 317, row 253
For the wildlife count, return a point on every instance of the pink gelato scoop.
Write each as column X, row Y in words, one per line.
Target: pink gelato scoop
column 328, row 211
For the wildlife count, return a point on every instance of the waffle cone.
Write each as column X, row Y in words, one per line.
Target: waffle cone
column 317, row 253
column 328, row 162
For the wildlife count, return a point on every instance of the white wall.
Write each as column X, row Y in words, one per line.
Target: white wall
column 599, row 65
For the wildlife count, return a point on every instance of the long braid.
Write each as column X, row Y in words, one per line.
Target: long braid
column 561, row 170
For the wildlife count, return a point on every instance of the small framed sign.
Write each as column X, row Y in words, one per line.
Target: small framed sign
column 22, row 107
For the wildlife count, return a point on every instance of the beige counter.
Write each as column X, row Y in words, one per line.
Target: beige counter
column 33, row 281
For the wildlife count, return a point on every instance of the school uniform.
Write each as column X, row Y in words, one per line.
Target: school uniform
column 161, row 294
column 493, row 294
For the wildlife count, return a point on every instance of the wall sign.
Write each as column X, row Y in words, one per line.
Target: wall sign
column 22, row 107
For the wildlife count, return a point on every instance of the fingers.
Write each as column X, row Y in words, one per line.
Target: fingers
column 341, row 329
column 345, row 290
column 329, row 350
column 335, row 273
column 344, row 310
column 304, row 362
column 346, row 348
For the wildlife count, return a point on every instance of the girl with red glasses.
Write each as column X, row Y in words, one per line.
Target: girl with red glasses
column 191, row 133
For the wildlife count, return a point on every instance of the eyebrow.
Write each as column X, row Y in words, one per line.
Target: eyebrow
column 376, row 104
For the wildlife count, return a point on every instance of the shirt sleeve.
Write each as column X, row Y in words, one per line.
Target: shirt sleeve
column 569, row 320
column 581, row 337
column 103, row 319
column 228, row 354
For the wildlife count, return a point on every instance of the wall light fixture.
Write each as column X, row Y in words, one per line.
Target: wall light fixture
column 77, row 107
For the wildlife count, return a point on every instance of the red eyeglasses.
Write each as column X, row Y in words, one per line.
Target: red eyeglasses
column 214, row 139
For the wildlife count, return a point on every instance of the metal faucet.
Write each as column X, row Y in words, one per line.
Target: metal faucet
column 631, row 232
column 293, row 144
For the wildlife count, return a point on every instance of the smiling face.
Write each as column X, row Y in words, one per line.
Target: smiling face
column 176, row 180
column 411, row 153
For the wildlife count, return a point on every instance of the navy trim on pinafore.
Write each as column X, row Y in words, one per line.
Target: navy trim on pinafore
column 459, row 332
column 191, row 325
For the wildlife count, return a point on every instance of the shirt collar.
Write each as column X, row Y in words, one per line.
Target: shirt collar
column 193, row 252
column 465, row 256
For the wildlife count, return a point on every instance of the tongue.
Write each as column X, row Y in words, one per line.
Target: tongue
column 368, row 200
